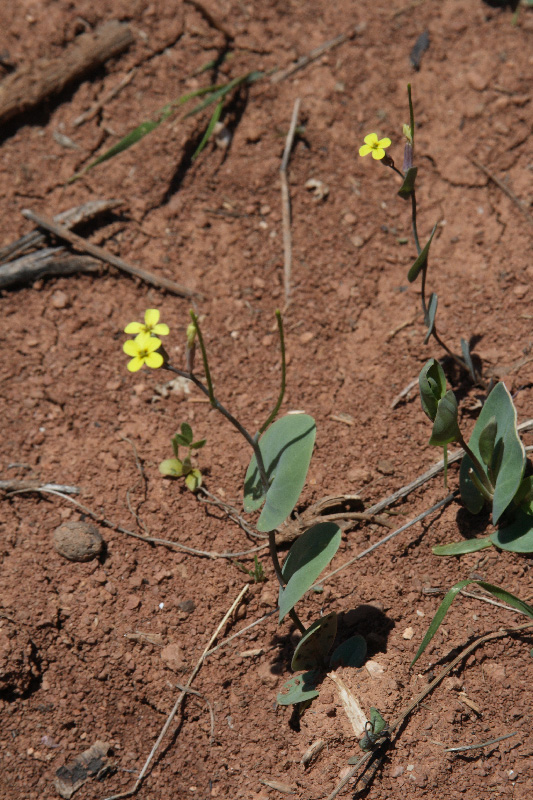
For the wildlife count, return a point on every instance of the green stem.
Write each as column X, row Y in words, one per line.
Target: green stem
column 277, row 569
column 210, row 393
column 480, row 472
column 254, row 444
column 277, row 407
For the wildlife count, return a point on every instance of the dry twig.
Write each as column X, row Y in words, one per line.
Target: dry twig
column 313, row 55
column 103, row 255
column 179, row 701
column 396, row 724
column 505, row 189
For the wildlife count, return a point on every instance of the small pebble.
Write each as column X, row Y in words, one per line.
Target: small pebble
column 60, row 299
column 78, row 541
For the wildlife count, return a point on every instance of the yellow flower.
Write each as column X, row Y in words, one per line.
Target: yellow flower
column 142, row 350
column 151, row 324
column 375, row 146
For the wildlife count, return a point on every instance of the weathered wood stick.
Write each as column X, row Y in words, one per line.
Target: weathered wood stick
column 33, row 83
column 45, row 263
column 98, row 252
column 71, row 218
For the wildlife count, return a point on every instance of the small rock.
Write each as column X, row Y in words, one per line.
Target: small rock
column 397, row 771
column 60, row 299
column 385, row 467
column 453, row 684
column 357, row 241
column 374, row 669
column 408, row 633
column 187, row 606
column 173, row 657
column 266, row 676
column 477, row 81
column 349, row 218
column 78, row 541
column 306, row 337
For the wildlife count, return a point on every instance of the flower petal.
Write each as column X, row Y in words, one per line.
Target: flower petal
column 130, row 348
column 378, row 153
column 134, row 327
column 151, row 317
column 371, row 139
column 152, row 344
column 135, row 364
column 161, row 329
column 143, row 339
column 384, row 142
column 154, row 360
column 365, row 150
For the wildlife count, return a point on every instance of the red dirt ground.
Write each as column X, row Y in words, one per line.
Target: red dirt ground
column 72, row 672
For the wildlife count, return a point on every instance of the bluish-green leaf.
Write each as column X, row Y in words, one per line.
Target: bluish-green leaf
column 422, row 259
column 286, row 448
column 516, row 536
column 445, row 427
column 496, row 591
column 509, row 455
column 460, row 548
column 308, row 556
column 432, row 386
column 299, row 689
column 429, row 318
column 406, row 189
column 315, row 644
column 350, row 653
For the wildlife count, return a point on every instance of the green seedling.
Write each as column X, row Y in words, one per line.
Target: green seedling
column 492, row 470
column 216, row 93
column 183, row 467
column 281, row 454
column 376, row 147
column 257, row 574
column 376, row 731
column 496, row 591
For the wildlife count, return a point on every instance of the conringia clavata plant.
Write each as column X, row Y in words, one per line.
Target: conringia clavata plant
column 375, row 146
column 281, row 454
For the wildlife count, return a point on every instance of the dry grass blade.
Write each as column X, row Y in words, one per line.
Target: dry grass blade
column 286, row 201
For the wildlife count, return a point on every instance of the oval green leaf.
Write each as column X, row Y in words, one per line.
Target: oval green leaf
column 299, row 689
column 517, row 536
column 286, row 448
column 350, row 653
column 308, row 556
column 315, row 644
column 445, row 427
column 509, row 455
column 422, row 259
column 460, row 548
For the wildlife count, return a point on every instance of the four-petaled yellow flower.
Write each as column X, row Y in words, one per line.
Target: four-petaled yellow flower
column 375, row 146
column 142, row 350
column 151, row 324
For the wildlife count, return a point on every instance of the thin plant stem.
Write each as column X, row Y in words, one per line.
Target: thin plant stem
column 253, row 441
column 411, row 115
column 277, row 407
column 211, row 393
column 480, row 472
